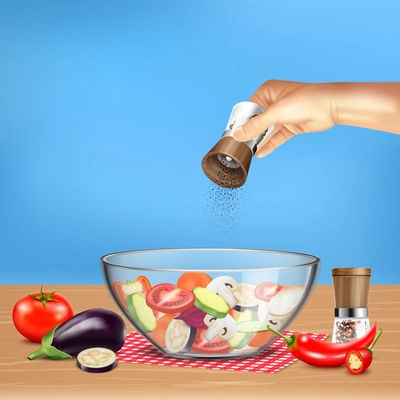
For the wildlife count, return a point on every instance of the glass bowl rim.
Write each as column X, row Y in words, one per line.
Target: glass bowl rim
column 313, row 259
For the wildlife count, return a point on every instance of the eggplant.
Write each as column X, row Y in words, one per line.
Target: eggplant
column 179, row 336
column 97, row 327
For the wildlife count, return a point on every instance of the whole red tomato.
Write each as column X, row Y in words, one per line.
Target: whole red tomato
column 36, row 314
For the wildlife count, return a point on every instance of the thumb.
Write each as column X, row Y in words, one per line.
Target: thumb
column 257, row 125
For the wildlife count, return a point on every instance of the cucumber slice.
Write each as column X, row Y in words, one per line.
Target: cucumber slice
column 251, row 326
column 142, row 315
column 242, row 338
column 210, row 302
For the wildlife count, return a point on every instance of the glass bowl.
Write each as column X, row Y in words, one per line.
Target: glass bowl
column 210, row 303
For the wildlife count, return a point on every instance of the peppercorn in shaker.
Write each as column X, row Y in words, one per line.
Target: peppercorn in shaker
column 351, row 290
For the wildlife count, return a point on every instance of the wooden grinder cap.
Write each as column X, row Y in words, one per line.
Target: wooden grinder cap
column 351, row 287
column 351, row 272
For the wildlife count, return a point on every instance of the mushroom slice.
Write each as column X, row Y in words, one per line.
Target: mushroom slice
column 224, row 286
column 225, row 328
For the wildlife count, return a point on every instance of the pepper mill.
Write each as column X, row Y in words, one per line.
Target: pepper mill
column 351, row 290
column 227, row 164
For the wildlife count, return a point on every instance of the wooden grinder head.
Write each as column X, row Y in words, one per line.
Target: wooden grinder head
column 227, row 164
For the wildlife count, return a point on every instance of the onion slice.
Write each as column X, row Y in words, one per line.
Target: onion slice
column 286, row 300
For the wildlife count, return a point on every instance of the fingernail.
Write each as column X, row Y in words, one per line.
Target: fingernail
column 239, row 134
column 265, row 150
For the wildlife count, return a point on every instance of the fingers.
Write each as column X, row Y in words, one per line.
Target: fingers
column 274, row 141
column 270, row 133
column 284, row 103
column 257, row 125
column 273, row 91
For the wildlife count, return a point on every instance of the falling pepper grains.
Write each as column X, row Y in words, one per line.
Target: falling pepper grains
column 224, row 209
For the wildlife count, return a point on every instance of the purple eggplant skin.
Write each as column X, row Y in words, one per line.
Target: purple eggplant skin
column 190, row 341
column 97, row 370
column 97, row 327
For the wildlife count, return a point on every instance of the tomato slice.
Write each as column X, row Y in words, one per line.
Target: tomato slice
column 215, row 347
column 267, row 290
column 168, row 298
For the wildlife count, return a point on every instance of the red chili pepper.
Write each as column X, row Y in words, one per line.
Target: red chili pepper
column 358, row 360
column 322, row 354
column 145, row 284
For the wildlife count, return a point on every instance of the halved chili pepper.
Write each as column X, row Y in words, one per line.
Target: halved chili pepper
column 358, row 360
column 144, row 282
column 322, row 354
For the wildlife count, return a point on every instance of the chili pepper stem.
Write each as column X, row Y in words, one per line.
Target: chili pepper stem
column 289, row 339
column 374, row 342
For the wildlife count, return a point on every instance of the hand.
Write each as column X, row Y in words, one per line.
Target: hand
column 295, row 108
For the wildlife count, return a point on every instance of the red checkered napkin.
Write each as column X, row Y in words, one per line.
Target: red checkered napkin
column 137, row 350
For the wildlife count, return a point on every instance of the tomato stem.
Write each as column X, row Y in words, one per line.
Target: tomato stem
column 44, row 298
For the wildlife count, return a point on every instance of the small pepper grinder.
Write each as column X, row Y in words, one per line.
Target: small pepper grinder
column 351, row 290
column 227, row 164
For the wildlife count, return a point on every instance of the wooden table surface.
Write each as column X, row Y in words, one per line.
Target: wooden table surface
column 43, row 378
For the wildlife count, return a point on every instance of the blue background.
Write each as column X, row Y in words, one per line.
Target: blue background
column 108, row 107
